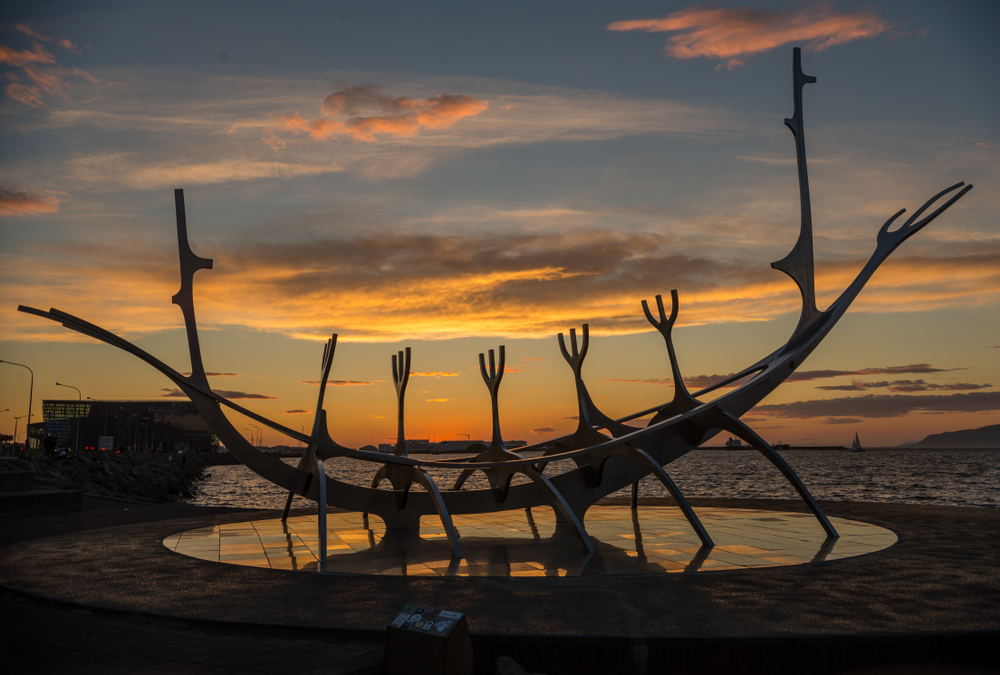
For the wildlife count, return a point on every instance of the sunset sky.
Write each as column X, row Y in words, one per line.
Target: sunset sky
column 456, row 176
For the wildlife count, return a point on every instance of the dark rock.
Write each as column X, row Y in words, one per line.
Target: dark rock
column 140, row 477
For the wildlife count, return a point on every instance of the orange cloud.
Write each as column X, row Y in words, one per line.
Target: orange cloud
column 29, row 31
column 11, row 57
column 22, row 203
column 337, row 383
column 401, row 117
column 39, row 67
column 729, row 34
column 69, row 46
column 380, row 286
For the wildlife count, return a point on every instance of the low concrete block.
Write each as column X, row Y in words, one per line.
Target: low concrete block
column 28, row 502
column 16, row 481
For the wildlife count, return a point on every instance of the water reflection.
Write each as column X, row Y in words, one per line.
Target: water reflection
column 652, row 539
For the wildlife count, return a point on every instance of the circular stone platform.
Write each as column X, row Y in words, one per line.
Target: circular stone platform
column 653, row 539
column 942, row 578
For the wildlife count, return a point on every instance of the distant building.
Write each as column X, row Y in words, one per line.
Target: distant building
column 458, row 446
column 131, row 426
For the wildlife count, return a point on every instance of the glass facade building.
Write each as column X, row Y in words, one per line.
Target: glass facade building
column 127, row 426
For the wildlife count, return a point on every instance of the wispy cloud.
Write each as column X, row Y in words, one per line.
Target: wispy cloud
column 20, row 202
column 296, row 412
column 905, row 386
column 211, row 374
column 435, row 374
column 177, row 393
column 400, row 116
column 843, row 420
column 39, row 73
column 12, row 57
column 733, row 33
column 31, row 32
column 337, row 383
column 123, row 170
column 702, row 381
column 883, row 405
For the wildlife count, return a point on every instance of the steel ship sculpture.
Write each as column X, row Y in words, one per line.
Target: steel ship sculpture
column 609, row 454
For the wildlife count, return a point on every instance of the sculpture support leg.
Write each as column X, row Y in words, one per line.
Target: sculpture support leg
column 674, row 491
column 735, row 426
column 442, row 510
column 291, row 493
column 560, row 503
column 321, row 473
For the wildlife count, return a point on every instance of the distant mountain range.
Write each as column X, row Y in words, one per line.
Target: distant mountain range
column 986, row 437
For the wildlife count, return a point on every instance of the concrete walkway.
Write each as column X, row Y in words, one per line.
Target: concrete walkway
column 931, row 599
column 42, row 636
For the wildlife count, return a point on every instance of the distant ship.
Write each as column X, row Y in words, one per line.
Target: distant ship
column 781, row 446
column 856, row 447
column 734, row 443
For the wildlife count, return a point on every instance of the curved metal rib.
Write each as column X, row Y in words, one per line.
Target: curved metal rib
column 561, row 506
column 741, row 430
column 675, row 492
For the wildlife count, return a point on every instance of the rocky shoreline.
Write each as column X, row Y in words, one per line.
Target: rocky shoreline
column 151, row 478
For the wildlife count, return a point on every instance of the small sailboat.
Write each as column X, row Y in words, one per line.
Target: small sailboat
column 856, row 447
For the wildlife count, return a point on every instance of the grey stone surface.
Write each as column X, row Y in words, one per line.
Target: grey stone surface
column 943, row 575
column 931, row 598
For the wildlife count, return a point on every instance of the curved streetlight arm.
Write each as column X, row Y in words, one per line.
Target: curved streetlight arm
column 79, row 394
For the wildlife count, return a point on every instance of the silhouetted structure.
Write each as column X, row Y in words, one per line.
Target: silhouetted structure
column 134, row 426
column 609, row 454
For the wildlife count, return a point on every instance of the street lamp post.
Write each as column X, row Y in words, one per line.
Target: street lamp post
column 15, row 426
column 260, row 435
column 31, row 393
column 76, row 444
column 3, row 411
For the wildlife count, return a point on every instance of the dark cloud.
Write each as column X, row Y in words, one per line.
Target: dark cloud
column 542, row 430
column 296, row 412
column 211, row 374
column 19, row 202
column 704, row 381
column 883, row 405
column 177, row 393
column 905, row 386
column 844, row 420
column 333, row 275
column 529, row 274
column 336, row 383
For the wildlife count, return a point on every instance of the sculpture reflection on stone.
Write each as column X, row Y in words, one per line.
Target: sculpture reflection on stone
column 609, row 453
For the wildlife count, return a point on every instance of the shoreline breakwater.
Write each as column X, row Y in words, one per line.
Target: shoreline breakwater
column 152, row 478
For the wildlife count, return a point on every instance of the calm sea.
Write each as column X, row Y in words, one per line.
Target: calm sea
column 943, row 477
